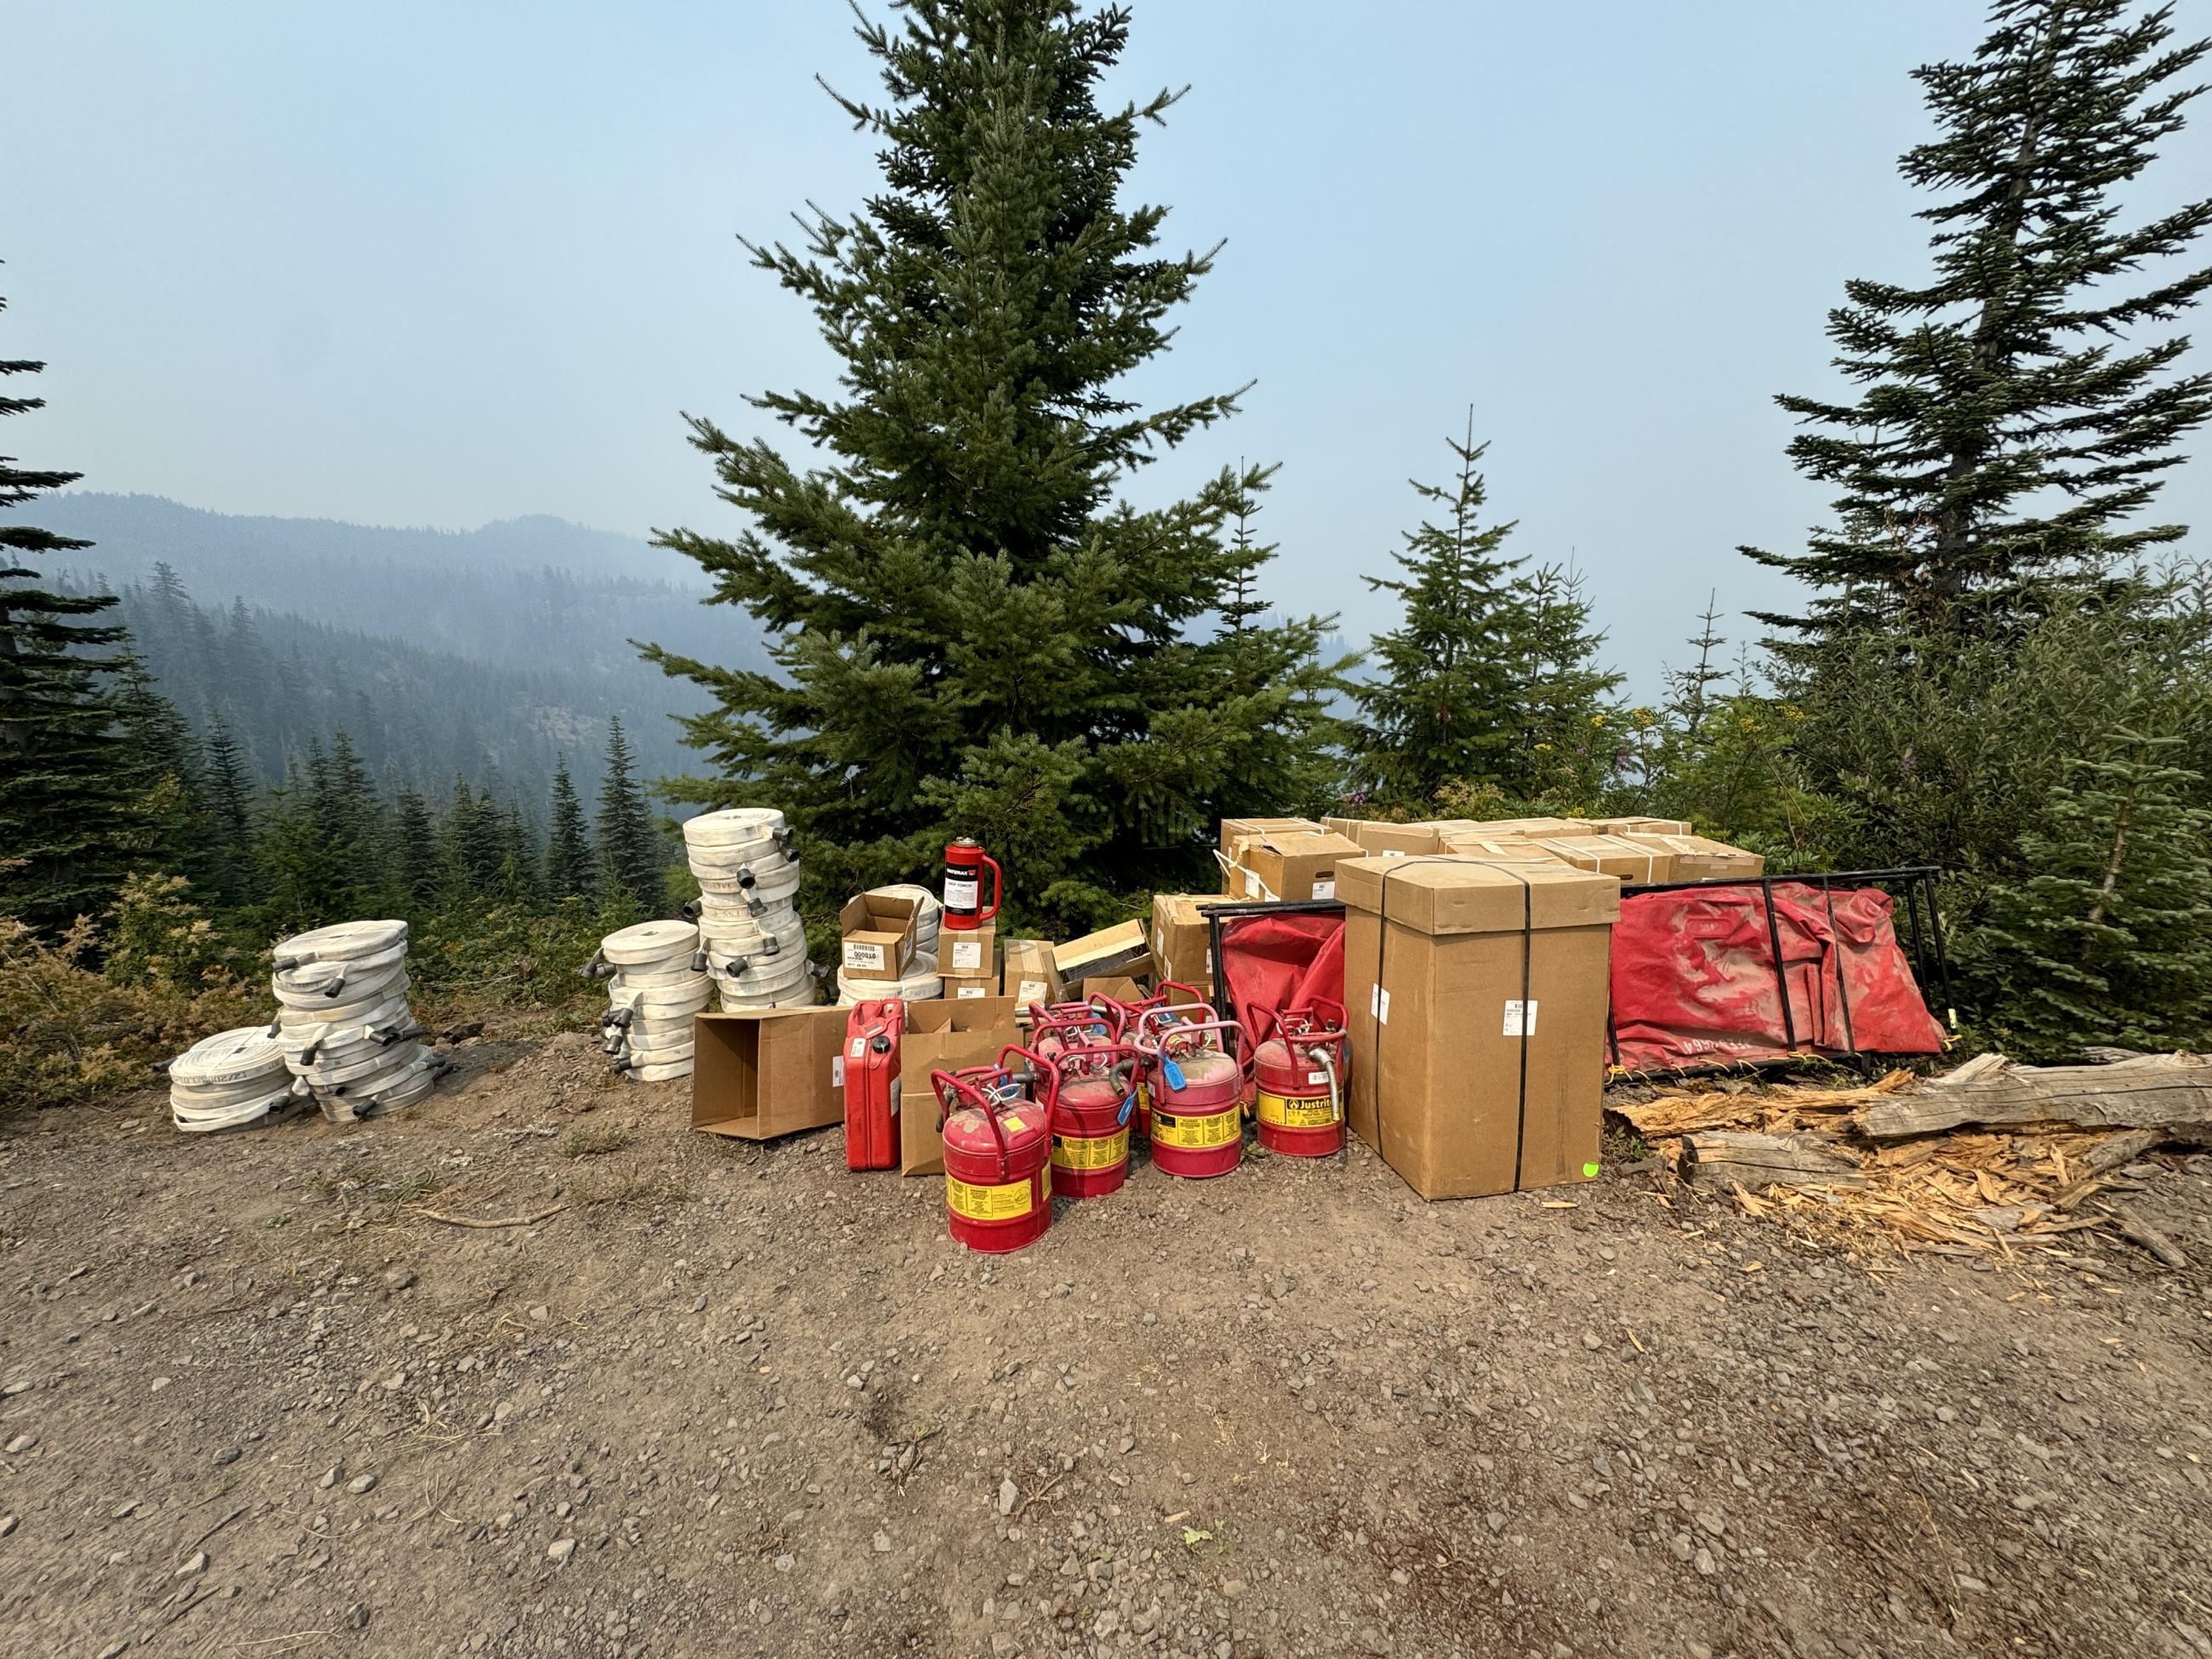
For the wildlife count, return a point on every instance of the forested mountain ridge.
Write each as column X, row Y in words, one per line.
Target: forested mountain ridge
column 486, row 652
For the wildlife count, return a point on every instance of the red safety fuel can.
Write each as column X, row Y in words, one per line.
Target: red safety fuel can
column 1300, row 1074
column 871, row 1084
column 1090, row 1118
column 1198, row 1092
column 998, row 1151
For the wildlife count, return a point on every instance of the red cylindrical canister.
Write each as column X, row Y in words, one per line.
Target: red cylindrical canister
column 1198, row 1094
column 1091, row 1119
column 1301, row 1074
column 998, row 1152
column 965, row 864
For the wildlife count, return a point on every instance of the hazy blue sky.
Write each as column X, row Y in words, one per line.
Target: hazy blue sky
column 416, row 264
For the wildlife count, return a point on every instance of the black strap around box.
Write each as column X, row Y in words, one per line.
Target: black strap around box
column 1528, row 945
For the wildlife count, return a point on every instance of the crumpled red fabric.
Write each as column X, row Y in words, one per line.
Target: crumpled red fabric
column 1271, row 963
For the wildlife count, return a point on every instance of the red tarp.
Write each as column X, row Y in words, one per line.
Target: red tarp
column 1694, row 981
column 1273, row 962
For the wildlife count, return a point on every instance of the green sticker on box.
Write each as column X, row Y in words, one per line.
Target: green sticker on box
column 1590, row 1172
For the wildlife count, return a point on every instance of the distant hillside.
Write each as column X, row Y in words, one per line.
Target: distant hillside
column 485, row 652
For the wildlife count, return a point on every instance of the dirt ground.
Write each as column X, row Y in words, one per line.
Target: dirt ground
column 732, row 1400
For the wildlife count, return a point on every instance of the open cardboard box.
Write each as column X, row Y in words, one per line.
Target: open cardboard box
column 879, row 936
column 759, row 1074
column 944, row 1036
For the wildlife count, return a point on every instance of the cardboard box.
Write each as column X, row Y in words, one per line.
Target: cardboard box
column 879, row 936
column 1642, row 826
column 1527, row 827
column 971, row 953
column 944, row 1036
column 1478, row 1002
column 1700, row 858
column 1181, row 941
column 1287, row 864
column 762, row 1074
column 1502, row 849
column 1348, row 827
column 1403, row 840
column 1115, row 989
column 1120, row 951
column 1633, row 861
column 1029, row 974
column 967, row 987
column 1236, row 829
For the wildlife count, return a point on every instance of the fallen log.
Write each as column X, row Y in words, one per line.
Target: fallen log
column 2169, row 1093
column 1722, row 1157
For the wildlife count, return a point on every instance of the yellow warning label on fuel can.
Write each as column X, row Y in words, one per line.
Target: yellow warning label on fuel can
column 1196, row 1134
column 1098, row 1152
column 1008, row 1203
column 1295, row 1114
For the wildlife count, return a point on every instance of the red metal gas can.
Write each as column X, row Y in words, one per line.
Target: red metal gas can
column 1091, row 1119
column 871, row 1084
column 1301, row 1074
column 965, row 864
column 998, row 1151
column 1198, row 1092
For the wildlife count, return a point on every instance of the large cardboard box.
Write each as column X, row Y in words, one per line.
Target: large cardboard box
column 1031, row 974
column 1478, row 998
column 1405, row 839
column 1287, row 864
column 879, row 936
column 759, row 1074
column 969, row 952
column 1236, row 829
column 1181, row 941
column 1633, row 861
column 1700, row 858
column 944, row 1036
column 968, row 987
column 1119, row 951
column 1525, row 827
column 1499, row 849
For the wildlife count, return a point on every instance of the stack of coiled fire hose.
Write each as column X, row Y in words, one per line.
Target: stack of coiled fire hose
column 921, row 982
column 228, row 1080
column 748, row 925
column 343, row 1023
column 657, row 981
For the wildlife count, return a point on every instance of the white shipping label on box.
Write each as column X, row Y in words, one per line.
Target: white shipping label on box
column 1521, row 1019
column 1322, row 889
column 1378, row 1004
column 1027, row 990
column 968, row 955
column 968, row 991
column 837, row 1068
column 1253, row 888
column 1160, row 942
column 864, row 955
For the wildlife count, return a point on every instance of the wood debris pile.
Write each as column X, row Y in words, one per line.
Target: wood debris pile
column 1994, row 1158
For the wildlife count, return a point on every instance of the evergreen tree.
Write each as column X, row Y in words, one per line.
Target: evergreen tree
column 571, row 872
column 973, row 634
column 1693, row 691
column 420, row 864
column 229, row 791
column 2108, row 939
column 1565, row 743
column 2008, row 433
column 519, row 878
column 473, row 853
column 351, row 819
column 629, row 854
column 169, row 793
column 69, row 792
column 1440, row 708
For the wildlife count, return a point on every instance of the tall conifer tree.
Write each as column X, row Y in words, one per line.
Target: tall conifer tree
column 570, row 870
column 629, row 854
column 70, row 791
column 974, row 635
column 2010, row 428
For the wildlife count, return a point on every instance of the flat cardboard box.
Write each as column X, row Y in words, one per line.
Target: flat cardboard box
column 1181, row 941
column 968, row 951
column 1633, row 861
column 1642, row 826
column 878, row 931
column 1031, row 974
column 1120, row 951
column 1292, row 865
column 1236, row 829
column 1478, row 1004
column 944, row 1036
column 1700, row 858
column 759, row 1074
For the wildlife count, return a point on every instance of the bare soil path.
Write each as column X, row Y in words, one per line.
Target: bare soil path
column 732, row 1400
